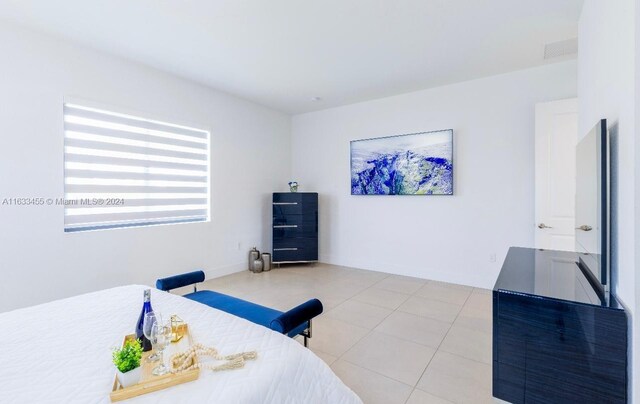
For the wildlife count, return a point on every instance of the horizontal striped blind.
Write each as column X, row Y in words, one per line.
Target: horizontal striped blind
column 123, row 171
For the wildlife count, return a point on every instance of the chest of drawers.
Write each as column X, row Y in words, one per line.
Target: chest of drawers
column 295, row 227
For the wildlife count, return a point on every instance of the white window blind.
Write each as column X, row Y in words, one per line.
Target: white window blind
column 123, row 171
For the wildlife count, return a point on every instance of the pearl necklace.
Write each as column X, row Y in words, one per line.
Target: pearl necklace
column 184, row 361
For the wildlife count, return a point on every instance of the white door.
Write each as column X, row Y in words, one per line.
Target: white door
column 556, row 139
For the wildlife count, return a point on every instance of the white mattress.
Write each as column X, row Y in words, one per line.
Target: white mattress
column 60, row 352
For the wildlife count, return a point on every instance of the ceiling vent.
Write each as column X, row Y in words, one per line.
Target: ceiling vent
column 568, row 47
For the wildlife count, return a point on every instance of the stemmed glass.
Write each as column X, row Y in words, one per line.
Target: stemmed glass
column 149, row 320
column 160, row 337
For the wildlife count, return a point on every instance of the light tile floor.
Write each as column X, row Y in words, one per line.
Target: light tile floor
column 392, row 339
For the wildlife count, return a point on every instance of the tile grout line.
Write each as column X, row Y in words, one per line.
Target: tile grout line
column 371, row 331
column 413, row 388
column 379, row 374
column 438, row 348
column 323, row 283
column 393, row 311
column 339, row 357
column 468, row 328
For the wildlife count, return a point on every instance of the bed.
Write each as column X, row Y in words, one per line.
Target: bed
column 61, row 352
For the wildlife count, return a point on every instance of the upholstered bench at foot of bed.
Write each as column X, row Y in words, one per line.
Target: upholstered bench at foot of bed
column 296, row 321
column 242, row 308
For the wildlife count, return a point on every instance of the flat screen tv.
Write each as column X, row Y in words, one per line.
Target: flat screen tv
column 592, row 208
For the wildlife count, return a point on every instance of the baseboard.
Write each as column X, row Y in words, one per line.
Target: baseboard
column 226, row 270
column 425, row 273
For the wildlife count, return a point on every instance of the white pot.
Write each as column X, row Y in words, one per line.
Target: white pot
column 129, row 378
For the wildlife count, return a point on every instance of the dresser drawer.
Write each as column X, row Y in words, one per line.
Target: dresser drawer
column 282, row 254
column 292, row 231
column 546, row 352
column 511, row 384
column 302, row 197
column 295, row 204
column 297, row 242
column 550, row 319
column 295, row 220
column 295, row 226
column 294, row 208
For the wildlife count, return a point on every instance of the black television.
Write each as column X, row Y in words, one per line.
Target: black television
column 592, row 232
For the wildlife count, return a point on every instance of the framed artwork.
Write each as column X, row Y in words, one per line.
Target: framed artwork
column 412, row 164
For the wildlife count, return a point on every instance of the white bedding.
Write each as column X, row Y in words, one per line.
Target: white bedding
column 60, row 352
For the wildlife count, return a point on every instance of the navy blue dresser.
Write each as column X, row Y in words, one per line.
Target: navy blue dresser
column 295, row 227
column 554, row 340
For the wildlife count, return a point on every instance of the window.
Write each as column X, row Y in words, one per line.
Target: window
column 124, row 171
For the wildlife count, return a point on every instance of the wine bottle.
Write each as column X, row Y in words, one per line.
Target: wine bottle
column 146, row 308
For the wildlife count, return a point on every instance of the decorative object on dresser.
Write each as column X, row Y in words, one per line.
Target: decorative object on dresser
column 293, row 186
column 555, row 338
column 295, row 227
column 412, row 164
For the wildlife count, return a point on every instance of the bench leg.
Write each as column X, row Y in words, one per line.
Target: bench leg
column 307, row 334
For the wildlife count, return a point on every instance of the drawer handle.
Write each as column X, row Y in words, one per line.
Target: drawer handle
column 283, row 226
column 285, row 203
column 285, row 249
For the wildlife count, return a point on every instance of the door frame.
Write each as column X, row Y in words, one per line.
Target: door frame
column 543, row 110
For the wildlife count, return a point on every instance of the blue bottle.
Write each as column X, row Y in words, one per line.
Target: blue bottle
column 146, row 308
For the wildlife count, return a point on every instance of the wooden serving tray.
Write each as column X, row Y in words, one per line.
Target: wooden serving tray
column 149, row 382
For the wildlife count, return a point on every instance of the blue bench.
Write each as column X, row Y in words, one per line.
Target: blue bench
column 296, row 321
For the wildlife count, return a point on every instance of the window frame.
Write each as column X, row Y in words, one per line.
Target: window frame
column 144, row 116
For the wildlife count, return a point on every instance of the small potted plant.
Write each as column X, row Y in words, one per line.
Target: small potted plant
column 293, row 186
column 127, row 361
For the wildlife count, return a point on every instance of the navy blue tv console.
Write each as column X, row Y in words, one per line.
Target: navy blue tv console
column 554, row 340
column 295, row 227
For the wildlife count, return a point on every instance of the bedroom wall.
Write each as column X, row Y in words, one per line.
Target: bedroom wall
column 636, row 331
column 448, row 238
column 250, row 158
column 607, row 88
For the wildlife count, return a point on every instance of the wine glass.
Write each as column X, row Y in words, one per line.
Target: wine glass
column 160, row 337
column 149, row 320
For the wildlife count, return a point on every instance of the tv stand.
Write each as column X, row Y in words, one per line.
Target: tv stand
column 554, row 339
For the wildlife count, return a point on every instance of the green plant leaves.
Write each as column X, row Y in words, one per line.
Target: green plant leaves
column 128, row 357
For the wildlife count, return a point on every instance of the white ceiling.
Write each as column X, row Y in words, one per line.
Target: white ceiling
column 282, row 53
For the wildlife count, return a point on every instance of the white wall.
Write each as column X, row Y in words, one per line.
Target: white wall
column 636, row 331
column 38, row 261
column 446, row 238
column 607, row 89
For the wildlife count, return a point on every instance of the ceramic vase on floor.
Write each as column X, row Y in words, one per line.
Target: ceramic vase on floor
column 254, row 255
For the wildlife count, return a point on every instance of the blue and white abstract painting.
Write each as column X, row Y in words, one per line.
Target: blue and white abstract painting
column 414, row 164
